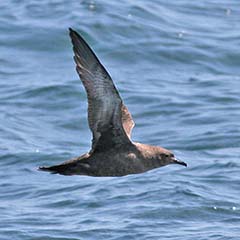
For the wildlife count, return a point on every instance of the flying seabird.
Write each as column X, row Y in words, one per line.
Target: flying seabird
column 113, row 153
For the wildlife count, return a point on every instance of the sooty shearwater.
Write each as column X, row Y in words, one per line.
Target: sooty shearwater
column 113, row 153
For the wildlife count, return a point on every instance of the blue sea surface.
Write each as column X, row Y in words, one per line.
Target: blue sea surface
column 176, row 65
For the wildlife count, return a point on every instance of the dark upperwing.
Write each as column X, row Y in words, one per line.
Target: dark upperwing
column 109, row 119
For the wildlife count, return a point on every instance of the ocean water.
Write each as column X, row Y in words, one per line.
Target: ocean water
column 176, row 64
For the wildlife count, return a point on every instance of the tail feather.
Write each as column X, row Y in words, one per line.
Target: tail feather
column 60, row 169
column 73, row 166
column 69, row 168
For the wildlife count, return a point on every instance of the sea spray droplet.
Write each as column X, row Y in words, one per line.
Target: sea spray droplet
column 181, row 33
column 92, row 6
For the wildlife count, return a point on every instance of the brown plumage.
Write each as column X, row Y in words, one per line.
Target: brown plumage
column 112, row 152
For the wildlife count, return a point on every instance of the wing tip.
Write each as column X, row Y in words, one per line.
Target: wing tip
column 74, row 34
column 70, row 30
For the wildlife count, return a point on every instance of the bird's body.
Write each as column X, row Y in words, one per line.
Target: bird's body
column 113, row 153
column 118, row 161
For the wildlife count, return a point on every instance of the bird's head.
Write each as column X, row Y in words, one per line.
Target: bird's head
column 158, row 156
column 167, row 157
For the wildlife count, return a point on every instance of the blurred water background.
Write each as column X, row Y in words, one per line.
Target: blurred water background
column 177, row 67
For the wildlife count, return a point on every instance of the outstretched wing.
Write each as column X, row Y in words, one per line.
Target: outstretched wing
column 109, row 120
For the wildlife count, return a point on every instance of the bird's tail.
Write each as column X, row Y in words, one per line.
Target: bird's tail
column 71, row 167
column 63, row 169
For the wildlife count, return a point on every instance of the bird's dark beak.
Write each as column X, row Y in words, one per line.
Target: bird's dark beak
column 177, row 161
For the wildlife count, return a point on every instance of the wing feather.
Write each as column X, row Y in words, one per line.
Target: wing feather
column 109, row 120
